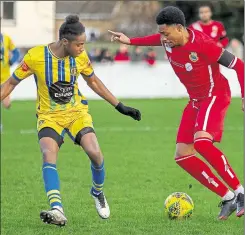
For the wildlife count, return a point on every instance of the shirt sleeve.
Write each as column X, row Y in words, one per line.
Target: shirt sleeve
column 211, row 50
column 24, row 69
column 151, row 40
column 87, row 69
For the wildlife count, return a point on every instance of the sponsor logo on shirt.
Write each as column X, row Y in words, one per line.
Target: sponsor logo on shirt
column 214, row 31
column 193, row 57
column 188, row 67
column 61, row 92
column 175, row 63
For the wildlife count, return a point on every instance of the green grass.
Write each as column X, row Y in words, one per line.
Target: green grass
column 140, row 174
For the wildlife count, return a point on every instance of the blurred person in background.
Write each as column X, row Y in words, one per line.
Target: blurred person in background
column 214, row 29
column 137, row 54
column 61, row 108
column 122, row 54
column 236, row 48
column 9, row 55
column 93, row 37
column 95, row 55
column 150, row 56
column 106, row 56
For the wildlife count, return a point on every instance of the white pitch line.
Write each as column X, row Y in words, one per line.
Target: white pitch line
column 123, row 129
column 132, row 129
column 103, row 129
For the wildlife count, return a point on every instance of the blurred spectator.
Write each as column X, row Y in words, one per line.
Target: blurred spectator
column 122, row 54
column 236, row 48
column 137, row 54
column 150, row 57
column 95, row 55
column 106, row 56
column 93, row 36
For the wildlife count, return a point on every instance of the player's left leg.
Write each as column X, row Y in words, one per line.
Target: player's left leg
column 209, row 129
column 82, row 133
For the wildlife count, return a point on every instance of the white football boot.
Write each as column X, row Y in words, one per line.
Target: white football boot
column 102, row 206
column 53, row 216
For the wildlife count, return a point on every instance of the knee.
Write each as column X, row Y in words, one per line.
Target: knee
column 95, row 156
column 49, row 156
column 183, row 150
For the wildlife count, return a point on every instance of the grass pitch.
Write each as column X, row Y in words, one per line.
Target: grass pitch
column 140, row 174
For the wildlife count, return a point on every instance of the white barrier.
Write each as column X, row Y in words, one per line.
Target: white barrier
column 128, row 80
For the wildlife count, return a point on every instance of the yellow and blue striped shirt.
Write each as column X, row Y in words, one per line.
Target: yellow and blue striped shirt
column 56, row 78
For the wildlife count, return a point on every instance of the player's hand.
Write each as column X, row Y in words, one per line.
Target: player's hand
column 119, row 37
column 242, row 104
column 133, row 113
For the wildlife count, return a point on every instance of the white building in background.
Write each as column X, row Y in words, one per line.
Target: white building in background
column 28, row 23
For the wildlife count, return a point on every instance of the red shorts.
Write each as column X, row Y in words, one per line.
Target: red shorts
column 204, row 115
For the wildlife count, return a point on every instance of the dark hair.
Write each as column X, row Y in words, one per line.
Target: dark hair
column 71, row 28
column 170, row 15
column 205, row 4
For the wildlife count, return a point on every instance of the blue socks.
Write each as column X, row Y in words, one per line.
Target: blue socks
column 98, row 176
column 52, row 184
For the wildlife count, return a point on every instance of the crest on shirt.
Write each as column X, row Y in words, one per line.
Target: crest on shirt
column 73, row 71
column 193, row 57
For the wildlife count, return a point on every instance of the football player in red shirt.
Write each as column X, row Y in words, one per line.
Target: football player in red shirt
column 212, row 28
column 195, row 58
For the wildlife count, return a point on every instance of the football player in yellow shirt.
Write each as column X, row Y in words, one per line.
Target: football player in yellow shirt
column 9, row 54
column 61, row 108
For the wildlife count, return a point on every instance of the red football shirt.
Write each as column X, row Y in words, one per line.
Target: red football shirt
column 195, row 64
column 214, row 29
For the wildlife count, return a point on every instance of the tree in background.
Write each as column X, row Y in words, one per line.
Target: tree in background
column 137, row 17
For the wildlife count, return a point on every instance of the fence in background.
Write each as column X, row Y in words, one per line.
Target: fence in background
column 127, row 80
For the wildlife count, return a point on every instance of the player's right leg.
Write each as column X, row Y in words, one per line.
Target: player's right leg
column 50, row 140
column 185, row 157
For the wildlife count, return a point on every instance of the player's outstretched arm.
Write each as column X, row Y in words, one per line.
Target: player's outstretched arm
column 99, row 88
column 151, row 40
column 8, row 87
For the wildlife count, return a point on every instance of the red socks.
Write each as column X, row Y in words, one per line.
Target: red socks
column 217, row 160
column 201, row 172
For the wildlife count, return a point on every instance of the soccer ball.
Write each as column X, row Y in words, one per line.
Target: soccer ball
column 178, row 205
